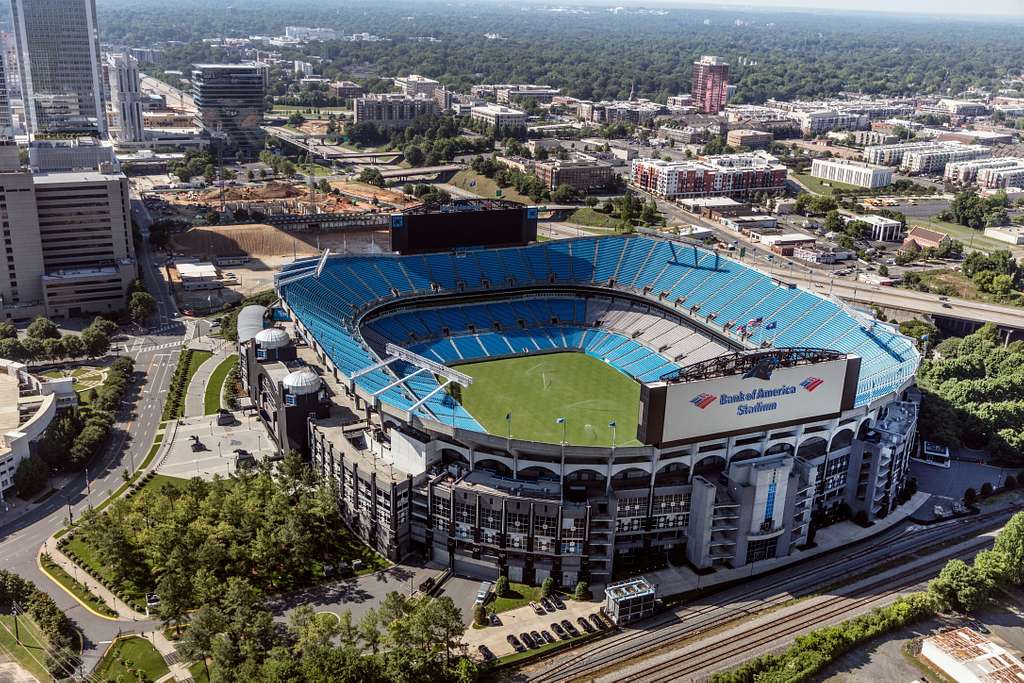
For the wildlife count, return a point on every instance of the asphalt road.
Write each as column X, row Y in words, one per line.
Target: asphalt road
column 133, row 434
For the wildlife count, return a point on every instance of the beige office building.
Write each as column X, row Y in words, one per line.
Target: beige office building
column 67, row 241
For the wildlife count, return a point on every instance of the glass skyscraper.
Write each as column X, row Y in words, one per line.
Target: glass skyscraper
column 59, row 59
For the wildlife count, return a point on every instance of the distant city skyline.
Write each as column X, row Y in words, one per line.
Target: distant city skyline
column 962, row 9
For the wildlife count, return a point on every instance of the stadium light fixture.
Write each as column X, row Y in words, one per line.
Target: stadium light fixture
column 419, row 361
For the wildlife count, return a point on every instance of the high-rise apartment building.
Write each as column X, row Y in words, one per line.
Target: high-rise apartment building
column 710, row 84
column 6, row 120
column 67, row 241
column 125, row 97
column 59, row 61
column 230, row 102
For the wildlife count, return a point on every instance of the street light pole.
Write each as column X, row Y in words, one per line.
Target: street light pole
column 561, row 470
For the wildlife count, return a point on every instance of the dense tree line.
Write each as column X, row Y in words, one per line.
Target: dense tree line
column 973, row 392
column 55, row 625
column 976, row 212
column 404, row 639
column 597, row 54
column 997, row 273
column 44, row 342
column 278, row 531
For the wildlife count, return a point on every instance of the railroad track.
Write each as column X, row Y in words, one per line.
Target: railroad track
column 716, row 655
column 749, row 599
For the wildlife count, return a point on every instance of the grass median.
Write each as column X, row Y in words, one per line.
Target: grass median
column 31, row 651
column 215, row 385
column 58, row 574
column 129, row 657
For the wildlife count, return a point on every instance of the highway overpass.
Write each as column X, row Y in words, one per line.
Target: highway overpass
column 315, row 146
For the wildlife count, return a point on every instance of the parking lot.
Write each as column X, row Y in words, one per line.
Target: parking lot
column 524, row 619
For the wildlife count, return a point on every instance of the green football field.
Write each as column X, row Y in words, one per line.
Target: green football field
column 538, row 389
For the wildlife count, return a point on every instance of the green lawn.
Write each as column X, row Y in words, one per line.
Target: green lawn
column 974, row 239
column 519, row 595
column 538, row 389
column 315, row 170
column 961, row 286
column 211, row 401
column 31, row 653
column 595, row 219
column 481, row 185
column 198, row 671
column 58, row 574
column 128, row 656
column 818, row 186
column 86, row 377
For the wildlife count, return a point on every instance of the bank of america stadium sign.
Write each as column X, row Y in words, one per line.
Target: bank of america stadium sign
column 757, row 400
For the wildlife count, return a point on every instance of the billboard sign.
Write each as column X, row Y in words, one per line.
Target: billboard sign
column 745, row 402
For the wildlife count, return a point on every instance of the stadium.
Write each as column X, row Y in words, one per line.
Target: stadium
column 580, row 408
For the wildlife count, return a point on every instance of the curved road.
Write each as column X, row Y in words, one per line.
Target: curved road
column 133, row 434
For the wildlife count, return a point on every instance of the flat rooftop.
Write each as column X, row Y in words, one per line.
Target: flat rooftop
column 10, row 416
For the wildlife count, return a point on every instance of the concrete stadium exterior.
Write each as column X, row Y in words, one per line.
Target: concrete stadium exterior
column 411, row 479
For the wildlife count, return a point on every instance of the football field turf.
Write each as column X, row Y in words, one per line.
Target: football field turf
column 538, row 389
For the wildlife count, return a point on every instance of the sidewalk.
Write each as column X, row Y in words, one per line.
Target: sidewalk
column 179, row 667
column 13, row 508
column 123, row 611
column 679, row 579
column 195, row 398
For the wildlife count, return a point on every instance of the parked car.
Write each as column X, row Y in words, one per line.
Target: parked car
column 527, row 640
column 538, row 639
column 537, row 608
column 959, row 509
column 559, row 631
column 582, row 621
column 486, row 653
column 939, row 511
column 557, row 600
column 567, row 625
column 547, row 636
column 598, row 622
column 514, row 642
column 548, row 605
column 494, row 619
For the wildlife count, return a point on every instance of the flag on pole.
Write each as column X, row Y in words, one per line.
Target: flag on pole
column 560, row 421
column 770, row 326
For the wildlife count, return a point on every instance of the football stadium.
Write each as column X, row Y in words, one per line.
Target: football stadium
column 578, row 408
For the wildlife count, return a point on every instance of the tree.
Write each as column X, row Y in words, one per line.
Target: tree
column 883, row 270
column 369, row 630
column 501, row 586
column 582, row 591
column 206, row 623
column 371, row 176
column 8, row 331
column 95, row 342
column 970, row 495
column 141, row 305
column 31, row 476
column 414, row 155
column 1010, row 543
column 961, row 586
column 175, row 592
column 547, row 586
column 72, row 346
column 42, row 328
column 563, row 194
column 479, row 614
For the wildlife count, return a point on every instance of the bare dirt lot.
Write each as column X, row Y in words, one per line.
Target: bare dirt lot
column 260, row 241
column 369, row 192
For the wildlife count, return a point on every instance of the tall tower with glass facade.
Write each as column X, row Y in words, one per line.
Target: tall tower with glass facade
column 59, row 59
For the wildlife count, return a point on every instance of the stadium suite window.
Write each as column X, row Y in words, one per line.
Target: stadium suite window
column 543, row 525
column 465, row 513
column 518, row 522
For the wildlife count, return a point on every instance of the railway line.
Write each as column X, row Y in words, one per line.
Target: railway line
column 721, row 655
column 759, row 595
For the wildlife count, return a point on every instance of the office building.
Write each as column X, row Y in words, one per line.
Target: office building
column 882, row 229
column 28, row 404
column 59, row 60
column 511, row 94
column 49, row 155
column 581, row 175
column 638, row 112
column 230, row 102
column 392, row 110
column 823, row 121
column 345, row 89
column 751, row 139
column 710, row 84
column 498, row 116
column 414, row 84
column 6, row 119
column 68, row 241
column 724, row 175
column 925, row 156
column 126, row 97
column 851, row 172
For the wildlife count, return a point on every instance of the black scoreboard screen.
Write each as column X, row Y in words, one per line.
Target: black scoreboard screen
column 416, row 233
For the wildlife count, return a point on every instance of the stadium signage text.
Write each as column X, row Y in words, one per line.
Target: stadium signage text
column 750, row 402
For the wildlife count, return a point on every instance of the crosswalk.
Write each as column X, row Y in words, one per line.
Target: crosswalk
column 157, row 347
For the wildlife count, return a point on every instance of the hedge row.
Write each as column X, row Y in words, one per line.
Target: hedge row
column 174, row 407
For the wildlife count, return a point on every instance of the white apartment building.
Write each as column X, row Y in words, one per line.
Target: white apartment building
column 817, row 122
column 300, row 68
column 929, row 161
column 392, row 110
column 498, row 115
column 924, row 157
column 851, row 172
column 989, row 174
column 414, row 84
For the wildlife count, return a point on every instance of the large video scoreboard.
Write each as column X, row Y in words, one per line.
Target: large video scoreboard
column 469, row 225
